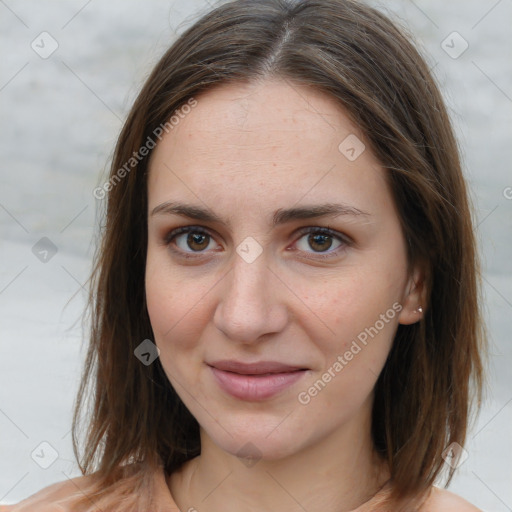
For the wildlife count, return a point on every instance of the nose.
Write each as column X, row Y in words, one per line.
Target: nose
column 251, row 302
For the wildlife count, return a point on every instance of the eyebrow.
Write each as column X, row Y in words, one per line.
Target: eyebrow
column 281, row 216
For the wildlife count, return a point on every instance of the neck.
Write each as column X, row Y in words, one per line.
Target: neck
column 339, row 473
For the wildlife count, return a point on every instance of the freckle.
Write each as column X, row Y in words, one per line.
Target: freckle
column 274, row 164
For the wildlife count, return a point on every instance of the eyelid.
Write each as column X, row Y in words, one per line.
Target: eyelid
column 327, row 231
column 185, row 229
column 344, row 239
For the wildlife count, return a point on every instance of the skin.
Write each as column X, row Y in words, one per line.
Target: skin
column 59, row 495
column 246, row 151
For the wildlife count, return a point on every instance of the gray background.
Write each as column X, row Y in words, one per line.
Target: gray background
column 60, row 118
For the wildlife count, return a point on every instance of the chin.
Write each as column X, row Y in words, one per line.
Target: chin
column 257, row 439
column 254, row 448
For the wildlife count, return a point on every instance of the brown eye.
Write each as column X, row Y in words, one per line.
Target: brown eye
column 196, row 241
column 321, row 242
column 189, row 239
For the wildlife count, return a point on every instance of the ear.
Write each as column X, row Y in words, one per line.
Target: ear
column 414, row 302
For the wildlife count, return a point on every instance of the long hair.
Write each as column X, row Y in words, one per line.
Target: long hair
column 135, row 422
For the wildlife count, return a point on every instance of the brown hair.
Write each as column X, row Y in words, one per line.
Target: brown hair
column 434, row 370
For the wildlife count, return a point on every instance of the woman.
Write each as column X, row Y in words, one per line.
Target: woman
column 285, row 308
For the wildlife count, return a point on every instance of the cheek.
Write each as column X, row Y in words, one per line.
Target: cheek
column 361, row 312
column 169, row 313
column 363, row 320
column 174, row 307
column 159, row 296
column 180, row 310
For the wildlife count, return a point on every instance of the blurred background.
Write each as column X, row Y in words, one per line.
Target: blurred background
column 68, row 75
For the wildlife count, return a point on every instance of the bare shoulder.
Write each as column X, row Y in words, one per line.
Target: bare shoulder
column 56, row 497
column 442, row 500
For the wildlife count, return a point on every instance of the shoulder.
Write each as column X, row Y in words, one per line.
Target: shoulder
column 441, row 500
column 62, row 496
column 56, row 497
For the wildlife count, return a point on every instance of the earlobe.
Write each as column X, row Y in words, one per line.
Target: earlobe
column 413, row 305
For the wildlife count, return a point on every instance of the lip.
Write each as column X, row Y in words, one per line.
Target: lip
column 255, row 381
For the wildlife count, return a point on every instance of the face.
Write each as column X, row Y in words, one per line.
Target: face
column 276, row 269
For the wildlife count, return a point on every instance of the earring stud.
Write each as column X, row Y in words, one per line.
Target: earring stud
column 420, row 309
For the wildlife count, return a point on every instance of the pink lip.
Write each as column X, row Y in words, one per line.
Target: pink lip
column 255, row 381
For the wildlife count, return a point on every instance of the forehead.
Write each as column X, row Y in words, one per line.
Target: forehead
column 262, row 116
column 270, row 139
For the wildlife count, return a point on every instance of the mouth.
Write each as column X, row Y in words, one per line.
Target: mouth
column 255, row 381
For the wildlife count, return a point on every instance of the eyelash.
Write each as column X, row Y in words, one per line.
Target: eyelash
column 345, row 241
